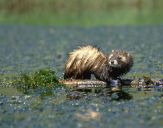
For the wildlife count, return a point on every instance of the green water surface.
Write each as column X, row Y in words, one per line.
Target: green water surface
column 26, row 49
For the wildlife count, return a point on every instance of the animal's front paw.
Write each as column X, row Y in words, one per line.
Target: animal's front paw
column 116, row 85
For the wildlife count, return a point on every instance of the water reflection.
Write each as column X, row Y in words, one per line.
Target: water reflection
column 117, row 95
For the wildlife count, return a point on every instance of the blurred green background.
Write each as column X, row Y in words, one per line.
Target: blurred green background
column 81, row 12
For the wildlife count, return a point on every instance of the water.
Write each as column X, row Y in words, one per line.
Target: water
column 29, row 48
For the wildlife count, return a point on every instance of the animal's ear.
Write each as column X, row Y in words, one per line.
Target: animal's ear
column 113, row 51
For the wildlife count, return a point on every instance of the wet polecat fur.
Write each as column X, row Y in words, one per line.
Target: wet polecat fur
column 87, row 60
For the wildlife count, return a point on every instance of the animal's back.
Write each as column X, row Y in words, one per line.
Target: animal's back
column 82, row 61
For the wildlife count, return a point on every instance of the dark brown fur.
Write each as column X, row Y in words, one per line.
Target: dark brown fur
column 89, row 60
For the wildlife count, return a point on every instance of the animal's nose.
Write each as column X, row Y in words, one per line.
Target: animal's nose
column 112, row 62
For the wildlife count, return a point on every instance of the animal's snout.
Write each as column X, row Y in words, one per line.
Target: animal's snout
column 112, row 62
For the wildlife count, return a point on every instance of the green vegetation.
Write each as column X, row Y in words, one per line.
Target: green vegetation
column 43, row 78
column 81, row 13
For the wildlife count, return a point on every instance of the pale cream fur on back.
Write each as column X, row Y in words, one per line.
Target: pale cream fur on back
column 85, row 58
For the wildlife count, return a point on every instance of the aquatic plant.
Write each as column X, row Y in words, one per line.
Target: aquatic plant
column 43, row 78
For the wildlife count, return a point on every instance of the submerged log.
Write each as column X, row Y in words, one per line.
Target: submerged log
column 83, row 84
column 145, row 82
column 88, row 84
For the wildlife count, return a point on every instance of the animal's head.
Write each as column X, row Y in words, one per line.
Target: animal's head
column 120, row 59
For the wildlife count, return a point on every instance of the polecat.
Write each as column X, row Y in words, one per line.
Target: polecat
column 88, row 60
